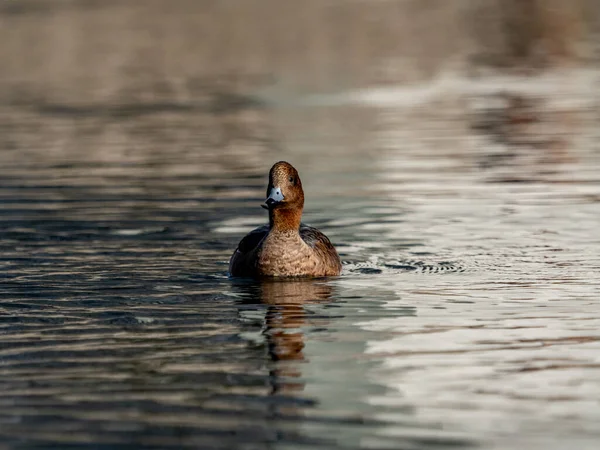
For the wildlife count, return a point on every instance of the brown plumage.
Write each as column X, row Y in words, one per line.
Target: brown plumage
column 286, row 247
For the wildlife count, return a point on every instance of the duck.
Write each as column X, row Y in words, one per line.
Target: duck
column 285, row 247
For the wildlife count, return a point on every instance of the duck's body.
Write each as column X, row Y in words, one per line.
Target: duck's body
column 307, row 252
column 285, row 247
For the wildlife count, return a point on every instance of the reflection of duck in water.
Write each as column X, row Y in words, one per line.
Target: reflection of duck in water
column 284, row 320
column 285, row 247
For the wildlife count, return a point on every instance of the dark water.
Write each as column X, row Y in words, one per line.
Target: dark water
column 465, row 208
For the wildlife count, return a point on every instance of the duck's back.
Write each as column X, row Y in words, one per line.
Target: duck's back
column 245, row 260
column 323, row 249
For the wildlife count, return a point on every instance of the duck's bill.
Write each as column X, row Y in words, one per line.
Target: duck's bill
column 275, row 197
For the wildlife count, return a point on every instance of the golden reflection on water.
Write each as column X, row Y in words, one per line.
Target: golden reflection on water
column 285, row 321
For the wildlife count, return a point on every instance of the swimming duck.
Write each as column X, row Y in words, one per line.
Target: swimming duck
column 286, row 247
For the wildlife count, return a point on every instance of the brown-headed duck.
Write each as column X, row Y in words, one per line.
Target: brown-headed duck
column 286, row 247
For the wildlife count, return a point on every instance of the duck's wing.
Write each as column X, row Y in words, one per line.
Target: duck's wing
column 242, row 261
column 322, row 246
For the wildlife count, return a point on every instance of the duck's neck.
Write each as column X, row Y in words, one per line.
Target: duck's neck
column 285, row 220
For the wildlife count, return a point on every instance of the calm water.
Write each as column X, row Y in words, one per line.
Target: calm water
column 465, row 208
column 467, row 313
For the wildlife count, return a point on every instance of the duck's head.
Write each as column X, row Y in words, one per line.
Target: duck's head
column 285, row 188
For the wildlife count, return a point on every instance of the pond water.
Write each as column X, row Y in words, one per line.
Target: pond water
column 465, row 209
column 466, row 315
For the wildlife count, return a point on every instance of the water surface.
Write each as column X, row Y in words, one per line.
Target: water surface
column 465, row 209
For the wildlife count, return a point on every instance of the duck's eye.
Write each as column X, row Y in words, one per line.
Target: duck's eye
column 292, row 180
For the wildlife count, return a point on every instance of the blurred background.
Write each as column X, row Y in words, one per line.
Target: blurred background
column 241, row 81
column 449, row 149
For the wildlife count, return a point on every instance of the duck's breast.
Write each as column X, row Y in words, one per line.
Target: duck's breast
column 285, row 254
